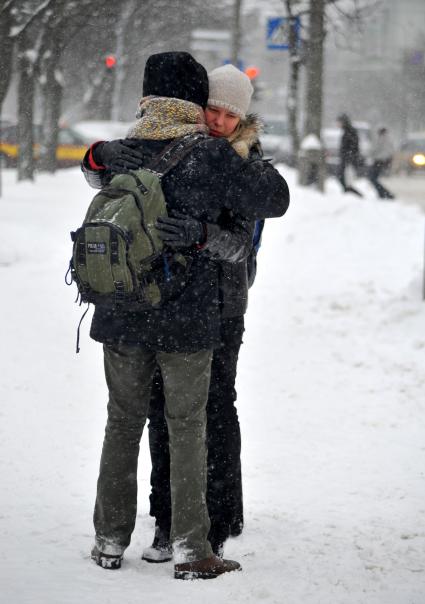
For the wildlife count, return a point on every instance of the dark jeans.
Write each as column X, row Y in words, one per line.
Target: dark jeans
column 224, row 480
column 341, row 176
column 375, row 172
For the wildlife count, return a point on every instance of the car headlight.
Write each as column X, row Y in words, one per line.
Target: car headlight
column 419, row 159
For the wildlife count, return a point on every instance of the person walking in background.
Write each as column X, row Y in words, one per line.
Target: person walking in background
column 349, row 153
column 179, row 336
column 381, row 157
column 229, row 99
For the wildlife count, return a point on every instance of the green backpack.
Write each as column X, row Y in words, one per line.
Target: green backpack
column 118, row 258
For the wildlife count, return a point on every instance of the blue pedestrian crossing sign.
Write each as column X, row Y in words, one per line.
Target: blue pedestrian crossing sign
column 278, row 32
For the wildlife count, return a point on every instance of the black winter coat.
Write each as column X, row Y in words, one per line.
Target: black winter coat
column 231, row 245
column 212, row 180
column 238, row 264
column 349, row 148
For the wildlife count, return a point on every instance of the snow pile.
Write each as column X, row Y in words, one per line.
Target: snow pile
column 331, row 402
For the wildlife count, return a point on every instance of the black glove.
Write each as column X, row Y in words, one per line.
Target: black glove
column 182, row 231
column 119, row 155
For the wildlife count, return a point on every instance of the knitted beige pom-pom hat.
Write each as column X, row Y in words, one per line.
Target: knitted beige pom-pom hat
column 231, row 89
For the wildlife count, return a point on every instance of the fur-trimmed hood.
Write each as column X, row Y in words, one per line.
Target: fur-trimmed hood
column 247, row 134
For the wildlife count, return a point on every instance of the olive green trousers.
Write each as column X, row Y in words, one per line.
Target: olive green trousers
column 129, row 371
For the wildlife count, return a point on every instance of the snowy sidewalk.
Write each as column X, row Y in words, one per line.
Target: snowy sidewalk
column 330, row 394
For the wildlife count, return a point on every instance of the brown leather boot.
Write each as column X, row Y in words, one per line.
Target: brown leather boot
column 208, row 568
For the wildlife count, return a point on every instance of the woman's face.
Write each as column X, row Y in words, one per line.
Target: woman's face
column 220, row 121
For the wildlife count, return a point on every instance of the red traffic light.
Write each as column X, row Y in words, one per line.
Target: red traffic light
column 110, row 61
column 252, row 72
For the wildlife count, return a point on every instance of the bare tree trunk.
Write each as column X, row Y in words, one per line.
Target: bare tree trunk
column 6, row 53
column 25, row 110
column 294, row 71
column 314, row 67
column 6, row 58
column 51, row 90
column 312, row 168
column 125, row 17
column 236, row 32
column 51, row 113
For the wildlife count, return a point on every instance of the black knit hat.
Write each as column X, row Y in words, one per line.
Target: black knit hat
column 176, row 75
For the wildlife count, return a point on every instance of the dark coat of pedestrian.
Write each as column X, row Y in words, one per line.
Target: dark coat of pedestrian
column 349, row 153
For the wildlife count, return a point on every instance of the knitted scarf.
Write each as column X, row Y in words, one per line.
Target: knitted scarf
column 163, row 118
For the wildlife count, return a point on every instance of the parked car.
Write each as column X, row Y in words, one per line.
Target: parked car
column 275, row 139
column 410, row 157
column 101, row 130
column 331, row 138
column 69, row 152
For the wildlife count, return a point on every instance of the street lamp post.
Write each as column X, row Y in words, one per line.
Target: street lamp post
column 236, row 32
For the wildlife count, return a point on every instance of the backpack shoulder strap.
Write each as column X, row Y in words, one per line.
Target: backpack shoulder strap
column 175, row 152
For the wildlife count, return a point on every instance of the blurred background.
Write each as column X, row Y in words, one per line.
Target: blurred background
column 71, row 72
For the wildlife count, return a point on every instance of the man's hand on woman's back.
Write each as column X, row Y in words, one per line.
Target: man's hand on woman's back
column 118, row 155
column 180, row 230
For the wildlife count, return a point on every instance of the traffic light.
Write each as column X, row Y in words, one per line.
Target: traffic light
column 110, row 61
column 252, row 72
column 107, row 85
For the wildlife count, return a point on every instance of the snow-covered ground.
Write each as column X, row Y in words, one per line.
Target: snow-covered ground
column 331, row 397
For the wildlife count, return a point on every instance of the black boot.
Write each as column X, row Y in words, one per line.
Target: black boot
column 218, row 535
column 106, row 561
column 236, row 527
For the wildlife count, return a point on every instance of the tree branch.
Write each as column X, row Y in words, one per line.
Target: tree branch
column 17, row 30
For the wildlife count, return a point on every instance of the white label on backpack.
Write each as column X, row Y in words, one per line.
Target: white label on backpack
column 95, row 247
